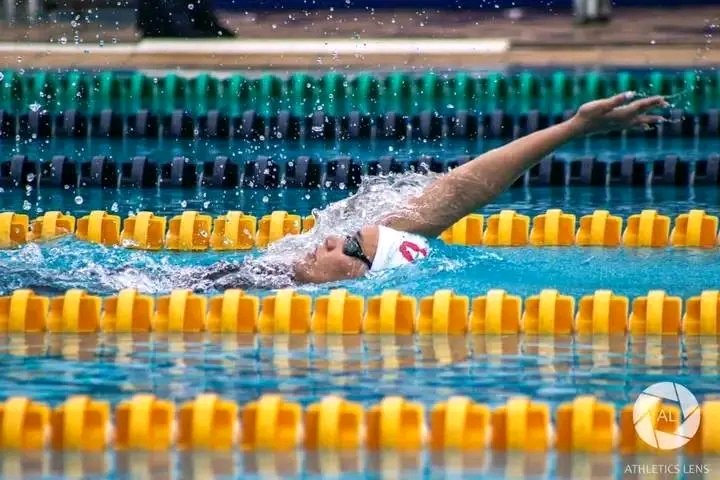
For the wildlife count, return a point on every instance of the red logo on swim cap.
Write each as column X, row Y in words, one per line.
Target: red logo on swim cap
column 411, row 251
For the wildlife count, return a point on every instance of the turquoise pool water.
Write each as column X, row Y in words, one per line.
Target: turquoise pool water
column 361, row 368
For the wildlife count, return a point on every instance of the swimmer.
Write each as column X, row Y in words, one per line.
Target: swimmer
column 399, row 237
column 386, row 224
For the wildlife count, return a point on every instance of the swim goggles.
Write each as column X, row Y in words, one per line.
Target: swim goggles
column 352, row 248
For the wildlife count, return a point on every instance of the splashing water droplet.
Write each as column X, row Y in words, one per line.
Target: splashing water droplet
column 27, row 205
column 35, row 107
column 2, row 76
column 114, row 207
column 266, row 199
column 191, row 6
column 79, row 200
column 183, row 203
column 30, row 177
column 63, row 40
column 206, row 204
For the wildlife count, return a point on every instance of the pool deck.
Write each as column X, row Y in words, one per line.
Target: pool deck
column 381, row 40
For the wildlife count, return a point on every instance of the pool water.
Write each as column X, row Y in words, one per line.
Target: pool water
column 303, row 368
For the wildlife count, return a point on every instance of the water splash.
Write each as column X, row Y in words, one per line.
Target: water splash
column 67, row 263
column 376, row 197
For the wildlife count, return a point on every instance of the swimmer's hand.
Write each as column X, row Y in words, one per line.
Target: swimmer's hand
column 617, row 113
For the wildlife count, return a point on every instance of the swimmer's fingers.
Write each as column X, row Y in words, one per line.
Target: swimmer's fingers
column 645, row 104
column 616, row 101
column 650, row 119
column 636, row 112
column 647, row 122
column 618, row 113
column 620, row 104
column 605, row 105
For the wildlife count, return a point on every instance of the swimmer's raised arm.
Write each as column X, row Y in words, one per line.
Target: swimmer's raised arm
column 479, row 181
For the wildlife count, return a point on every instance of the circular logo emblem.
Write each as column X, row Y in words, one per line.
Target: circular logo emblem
column 666, row 415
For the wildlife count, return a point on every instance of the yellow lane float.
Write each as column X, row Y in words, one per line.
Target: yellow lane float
column 144, row 231
column 52, row 225
column 23, row 312
column 234, row 231
column 507, row 229
column 271, row 423
column 14, row 229
column 647, row 229
column 602, row 313
column 338, row 313
column 128, row 311
column 601, row 229
column 391, row 313
column 189, row 232
column 99, row 227
column 553, row 228
column 467, row 231
column 496, row 313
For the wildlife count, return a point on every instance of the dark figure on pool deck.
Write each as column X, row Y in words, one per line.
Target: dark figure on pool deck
column 398, row 239
column 179, row 19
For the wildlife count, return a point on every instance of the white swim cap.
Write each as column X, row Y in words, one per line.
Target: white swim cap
column 396, row 248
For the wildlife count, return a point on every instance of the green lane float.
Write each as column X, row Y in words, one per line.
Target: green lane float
column 300, row 92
